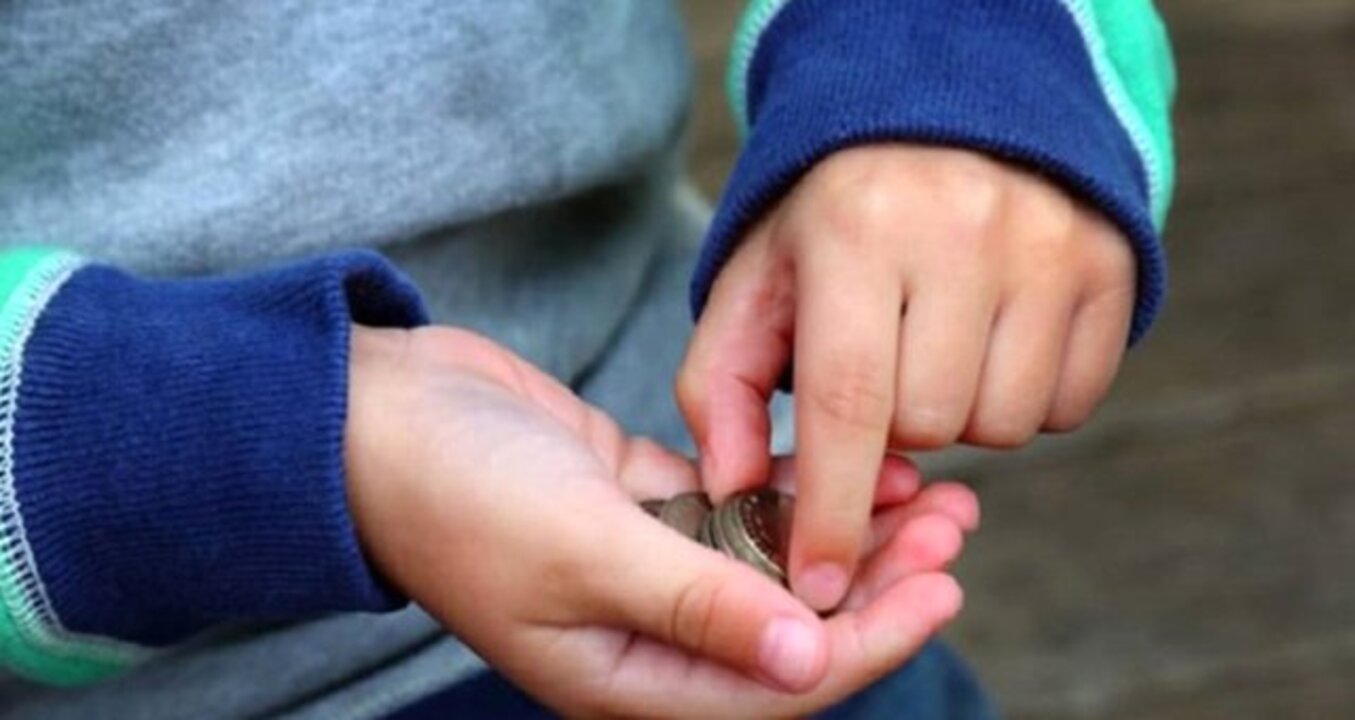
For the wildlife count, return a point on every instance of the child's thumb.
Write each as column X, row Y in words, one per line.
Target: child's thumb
column 681, row 593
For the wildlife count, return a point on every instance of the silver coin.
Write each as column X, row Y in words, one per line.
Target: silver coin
column 764, row 519
column 705, row 537
column 724, row 531
column 751, row 527
column 686, row 513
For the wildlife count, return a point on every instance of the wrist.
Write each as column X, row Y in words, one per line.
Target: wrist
column 370, row 437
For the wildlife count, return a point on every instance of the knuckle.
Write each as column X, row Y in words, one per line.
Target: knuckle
column 854, row 396
column 1044, row 233
column 858, row 216
column 1066, row 418
column 971, row 193
column 1050, row 215
column 687, row 391
column 1075, row 405
column 925, row 429
column 694, row 613
column 859, row 193
column 1046, row 249
column 1001, row 433
column 1111, row 264
column 875, row 199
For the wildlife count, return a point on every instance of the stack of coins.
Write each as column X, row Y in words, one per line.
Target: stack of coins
column 752, row 527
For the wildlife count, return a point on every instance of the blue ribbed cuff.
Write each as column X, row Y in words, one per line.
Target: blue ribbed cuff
column 178, row 447
column 1012, row 79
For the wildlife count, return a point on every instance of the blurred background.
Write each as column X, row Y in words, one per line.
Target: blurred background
column 1191, row 554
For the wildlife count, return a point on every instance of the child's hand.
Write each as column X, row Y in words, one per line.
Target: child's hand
column 507, row 508
column 925, row 296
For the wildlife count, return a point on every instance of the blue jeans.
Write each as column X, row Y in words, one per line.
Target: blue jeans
column 935, row 685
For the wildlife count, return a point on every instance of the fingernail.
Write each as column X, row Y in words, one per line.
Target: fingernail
column 822, row 586
column 789, row 653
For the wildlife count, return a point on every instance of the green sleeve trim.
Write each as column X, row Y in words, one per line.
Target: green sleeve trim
column 17, row 264
column 33, row 642
column 756, row 17
column 1132, row 56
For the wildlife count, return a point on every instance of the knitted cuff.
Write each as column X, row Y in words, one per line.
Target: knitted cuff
column 173, row 454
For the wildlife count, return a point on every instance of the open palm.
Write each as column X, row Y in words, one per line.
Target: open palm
column 507, row 507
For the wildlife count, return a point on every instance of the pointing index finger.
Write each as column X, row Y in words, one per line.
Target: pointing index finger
column 846, row 353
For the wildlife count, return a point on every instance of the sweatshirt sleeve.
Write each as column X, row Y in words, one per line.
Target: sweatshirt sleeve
column 171, row 454
column 1077, row 90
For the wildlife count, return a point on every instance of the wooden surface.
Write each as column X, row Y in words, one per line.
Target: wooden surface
column 1192, row 553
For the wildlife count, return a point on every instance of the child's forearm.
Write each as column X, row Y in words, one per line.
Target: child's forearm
column 173, row 454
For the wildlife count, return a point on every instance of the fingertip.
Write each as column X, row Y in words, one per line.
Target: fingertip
column 899, row 481
column 931, row 542
column 830, row 530
column 934, row 599
column 793, row 654
column 959, row 502
column 825, row 548
column 942, row 595
column 894, row 625
column 901, row 463
column 923, row 544
column 822, row 586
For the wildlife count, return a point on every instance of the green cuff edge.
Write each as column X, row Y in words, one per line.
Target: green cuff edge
column 33, row 642
column 1132, row 57
column 757, row 16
